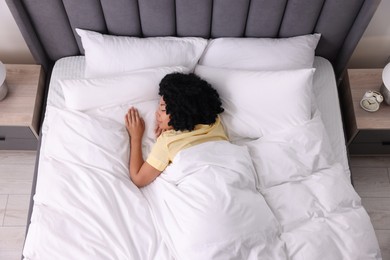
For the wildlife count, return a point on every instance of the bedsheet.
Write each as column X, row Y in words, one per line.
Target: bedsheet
column 302, row 207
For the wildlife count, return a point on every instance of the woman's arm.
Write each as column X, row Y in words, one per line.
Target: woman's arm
column 141, row 173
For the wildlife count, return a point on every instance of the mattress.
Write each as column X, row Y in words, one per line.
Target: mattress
column 86, row 207
column 324, row 86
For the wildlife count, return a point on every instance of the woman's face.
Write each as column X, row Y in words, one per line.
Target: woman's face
column 162, row 116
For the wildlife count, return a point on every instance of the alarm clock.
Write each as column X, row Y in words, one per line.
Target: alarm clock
column 371, row 101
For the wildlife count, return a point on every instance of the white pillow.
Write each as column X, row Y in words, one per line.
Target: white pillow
column 261, row 53
column 258, row 103
column 137, row 86
column 106, row 54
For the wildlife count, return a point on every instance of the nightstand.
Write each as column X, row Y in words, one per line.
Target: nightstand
column 20, row 111
column 367, row 133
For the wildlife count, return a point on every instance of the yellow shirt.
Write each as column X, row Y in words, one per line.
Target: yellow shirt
column 171, row 142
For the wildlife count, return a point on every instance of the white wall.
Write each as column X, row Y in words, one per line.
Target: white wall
column 372, row 51
column 13, row 48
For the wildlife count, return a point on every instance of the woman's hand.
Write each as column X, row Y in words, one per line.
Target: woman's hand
column 141, row 173
column 135, row 124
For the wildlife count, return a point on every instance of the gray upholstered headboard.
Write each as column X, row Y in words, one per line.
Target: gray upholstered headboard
column 48, row 25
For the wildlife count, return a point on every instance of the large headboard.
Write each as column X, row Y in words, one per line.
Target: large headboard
column 48, row 25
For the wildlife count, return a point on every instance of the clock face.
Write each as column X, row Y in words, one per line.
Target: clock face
column 369, row 104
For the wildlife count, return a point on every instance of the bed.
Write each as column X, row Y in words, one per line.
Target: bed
column 277, row 65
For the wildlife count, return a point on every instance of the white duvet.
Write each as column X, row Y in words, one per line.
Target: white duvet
column 282, row 196
column 206, row 206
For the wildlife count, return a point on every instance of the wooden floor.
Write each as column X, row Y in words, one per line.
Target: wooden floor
column 371, row 176
column 16, row 174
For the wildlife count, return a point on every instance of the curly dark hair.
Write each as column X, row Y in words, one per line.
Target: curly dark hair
column 189, row 101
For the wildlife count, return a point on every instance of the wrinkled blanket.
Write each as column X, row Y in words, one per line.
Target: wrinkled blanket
column 206, row 206
column 283, row 196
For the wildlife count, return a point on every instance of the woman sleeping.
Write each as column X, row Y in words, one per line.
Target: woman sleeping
column 205, row 203
column 187, row 116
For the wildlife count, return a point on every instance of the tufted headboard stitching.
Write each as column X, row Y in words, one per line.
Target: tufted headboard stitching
column 48, row 25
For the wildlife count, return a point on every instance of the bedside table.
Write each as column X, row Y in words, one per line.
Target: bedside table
column 367, row 133
column 20, row 111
